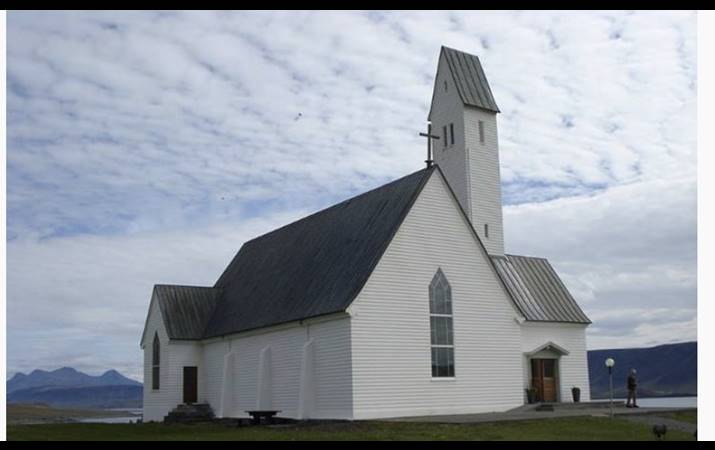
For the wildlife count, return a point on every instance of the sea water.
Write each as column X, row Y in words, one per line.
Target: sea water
column 132, row 416
column 667, row 402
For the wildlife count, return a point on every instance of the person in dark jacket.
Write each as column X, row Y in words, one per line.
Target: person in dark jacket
column 632, row 384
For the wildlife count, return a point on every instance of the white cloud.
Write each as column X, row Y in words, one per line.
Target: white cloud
column 624, row 254
column 82, row 300
column 129, row 130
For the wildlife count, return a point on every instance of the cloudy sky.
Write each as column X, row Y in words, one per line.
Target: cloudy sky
column 146, row 148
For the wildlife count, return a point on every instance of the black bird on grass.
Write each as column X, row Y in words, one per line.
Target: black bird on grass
column 659, row 431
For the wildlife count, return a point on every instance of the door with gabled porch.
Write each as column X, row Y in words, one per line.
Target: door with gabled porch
column 543, row 379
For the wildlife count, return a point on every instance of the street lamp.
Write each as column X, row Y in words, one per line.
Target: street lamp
column 610, row 363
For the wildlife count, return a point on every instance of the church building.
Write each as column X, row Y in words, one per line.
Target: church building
column 397, row 302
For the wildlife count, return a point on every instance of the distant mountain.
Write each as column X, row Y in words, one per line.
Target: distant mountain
column 67, row 377
column 67, row 387
column 118, row 396
column 664, row 370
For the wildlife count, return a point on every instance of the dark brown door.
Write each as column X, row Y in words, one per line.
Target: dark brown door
column 543, row 379
column 191, row 385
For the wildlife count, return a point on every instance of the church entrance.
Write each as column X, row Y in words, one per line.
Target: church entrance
column 543, row 379
column 191, row 385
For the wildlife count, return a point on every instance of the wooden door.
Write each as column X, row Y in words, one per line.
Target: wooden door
column 543, row 379
column 191, row 385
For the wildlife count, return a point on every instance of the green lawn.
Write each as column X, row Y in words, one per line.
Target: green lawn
column 690, row 416
column 578, row 428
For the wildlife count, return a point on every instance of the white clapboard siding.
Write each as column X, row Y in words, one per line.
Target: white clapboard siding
column 332, row 368
column 391, row 330
column 447, row 107
column 470, row 166
column 213, row 360
column 173, row 356
column 573, row 368
column 484, row 178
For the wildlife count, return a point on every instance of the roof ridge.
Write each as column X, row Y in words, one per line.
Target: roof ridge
column 184, row 286
column 335, row 205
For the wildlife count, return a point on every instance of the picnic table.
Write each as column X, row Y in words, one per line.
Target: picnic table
column 267, row 414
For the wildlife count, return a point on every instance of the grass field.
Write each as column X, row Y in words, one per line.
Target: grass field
column 684, row 416
column 577, row 428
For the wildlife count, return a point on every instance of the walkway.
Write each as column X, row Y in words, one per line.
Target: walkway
column 529, row 412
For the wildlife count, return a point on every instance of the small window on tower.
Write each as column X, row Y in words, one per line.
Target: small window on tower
column 444, row 136
column 481, row 131
column 486, row 230
column 445, row 86
column 451, row 133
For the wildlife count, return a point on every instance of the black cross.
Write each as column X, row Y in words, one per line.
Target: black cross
column 429, row 137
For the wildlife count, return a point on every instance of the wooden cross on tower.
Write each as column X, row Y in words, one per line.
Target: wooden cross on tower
column 429, row 137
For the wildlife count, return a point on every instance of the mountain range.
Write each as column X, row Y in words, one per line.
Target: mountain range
column 67, row 387
column 669, row 370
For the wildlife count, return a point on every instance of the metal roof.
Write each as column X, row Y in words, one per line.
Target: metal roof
column 470, row 80
column 315, row 266
column 185, row 309
column 537, row 290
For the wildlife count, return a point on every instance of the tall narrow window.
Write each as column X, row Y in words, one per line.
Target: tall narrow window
column 155, row 363
column 451, row 133
column 441, row 332
column 486, row 230
column 444, row 135
column 445, row 86
column 481, row 131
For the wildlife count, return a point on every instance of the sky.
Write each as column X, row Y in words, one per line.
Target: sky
column 145, row 148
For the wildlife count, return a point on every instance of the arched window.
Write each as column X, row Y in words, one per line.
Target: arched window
column 155, row 357
column 440, row 311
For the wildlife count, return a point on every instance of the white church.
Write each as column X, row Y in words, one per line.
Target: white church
column 398, row 302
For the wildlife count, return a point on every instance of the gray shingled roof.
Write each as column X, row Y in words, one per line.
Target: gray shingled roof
column 537, row 290
column 470, row 80
column 314, row 266
column 186, row 309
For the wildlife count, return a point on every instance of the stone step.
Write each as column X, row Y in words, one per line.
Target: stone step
column 199, row 412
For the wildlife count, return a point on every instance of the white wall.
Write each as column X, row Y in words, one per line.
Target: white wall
column 332, row 367
column 484, row 177
column 447, row 107
column 573, row 368
column 391, row 331
column 174, row 355
column 470, row 166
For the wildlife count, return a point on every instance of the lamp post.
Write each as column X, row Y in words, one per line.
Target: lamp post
column 610, row 363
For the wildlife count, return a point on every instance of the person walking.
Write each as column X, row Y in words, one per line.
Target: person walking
column 632, row 384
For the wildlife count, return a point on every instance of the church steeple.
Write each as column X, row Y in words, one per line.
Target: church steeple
column 464, row 114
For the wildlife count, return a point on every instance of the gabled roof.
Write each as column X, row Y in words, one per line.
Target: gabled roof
column 469, row 78
column 549, row 346
column 537, row 290
column 315, row 266
column 186, row 309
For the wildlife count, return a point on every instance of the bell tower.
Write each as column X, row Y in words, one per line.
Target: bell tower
column 464, row 116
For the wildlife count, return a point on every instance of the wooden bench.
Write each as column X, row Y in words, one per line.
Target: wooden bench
column 257, row 414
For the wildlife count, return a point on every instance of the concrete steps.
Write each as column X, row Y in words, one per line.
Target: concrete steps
column 197, row 412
